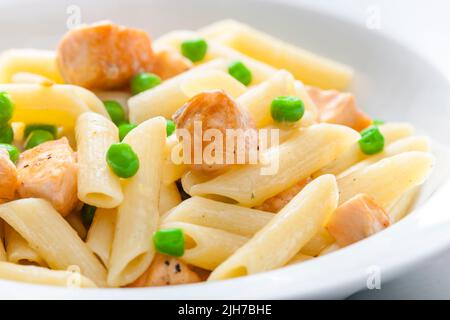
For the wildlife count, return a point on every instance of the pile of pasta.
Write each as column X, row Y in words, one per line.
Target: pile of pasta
column 326, row 194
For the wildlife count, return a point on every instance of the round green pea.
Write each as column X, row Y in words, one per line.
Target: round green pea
column 124, row 129
column 87, row 214
column 6, row 134
column 372, row 141
column 144, row 81
column 37, row 137
column 169, row 241
column 40, row 126
column 115, row 111
column 194, row 49
column 287, row 109
column 240, row 72
column 122, row 160
column 6, row 108
column 12, row 150
column 170, row 127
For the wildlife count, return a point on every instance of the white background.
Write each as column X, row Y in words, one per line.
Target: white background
column 425, row 26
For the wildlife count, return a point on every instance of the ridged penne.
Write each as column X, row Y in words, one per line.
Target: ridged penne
column 138, row 214
column 97, row 184
column 207, row 247
column 101, row 233
column 283, row 237
column 308, row 151
column 52, row 237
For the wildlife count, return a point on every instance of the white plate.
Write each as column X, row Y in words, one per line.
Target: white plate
column 391, row 83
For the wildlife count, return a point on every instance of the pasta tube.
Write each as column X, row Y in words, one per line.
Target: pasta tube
column 283, row 237
column 51, row 237
column 138, row 215
column 388, row 179
column 207, row 247
column 296, row 159
column 18, row 250
column 40, row 62
column 101, row 233
column 97, row 184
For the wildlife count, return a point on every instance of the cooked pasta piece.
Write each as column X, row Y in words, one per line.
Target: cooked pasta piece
column 305, row 66
column 299, row 258
column 26, row 77
column 44, row 276
column 40, row 62
column 391, row 132
column 403, row 205
column 312, row 148
column 413, row 143
column 283, row 237
column 97, row 184
column 101, row 233
column 18, row 251
column 214, row 214
column 138, row 214
column 59, row 105
column 166, row 98
column 52, row 237
column 206, row 247
column 387, row 179
column 173, row 167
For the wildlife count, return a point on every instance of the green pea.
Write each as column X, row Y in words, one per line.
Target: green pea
column 287, row 109
column 372, row 141
column 169, row 241
column 6, row 108
column 115, row 111
column 124, row 129
column 6, row 134
column 144, row 81
column 40, row 126
column 87, row 214
column 240, row 72
column 170, row 127
column 122, row 160
column 194, row 49
column 12, row 150
column 37, row 137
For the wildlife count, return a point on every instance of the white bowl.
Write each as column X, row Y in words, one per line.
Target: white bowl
column 391, row 83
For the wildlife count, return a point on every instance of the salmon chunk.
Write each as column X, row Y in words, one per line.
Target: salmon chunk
column 338, row 108
column 49, row 171
column 8, row 177
column 356, row 219
column 104, row 55
column 277, row 202
column 169, row 63
column 165, row 271
column 214, row 109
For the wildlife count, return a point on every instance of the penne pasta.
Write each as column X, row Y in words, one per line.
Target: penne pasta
column 172, row 171
column 391, row 132
column 52, row 237
column 388, row 179
column 168, row 97
column 59, row 105
column 18, row 251
column 414, row 143
column 138, row 215
column 305, row 66
column 44, row 276
column 29, row 78
column 101, row 233
column 312, row 148
column 207, row 247
column 214, row 214
column 402, row 205
column 40, row 62
column 283, row 237
column 97, row 184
